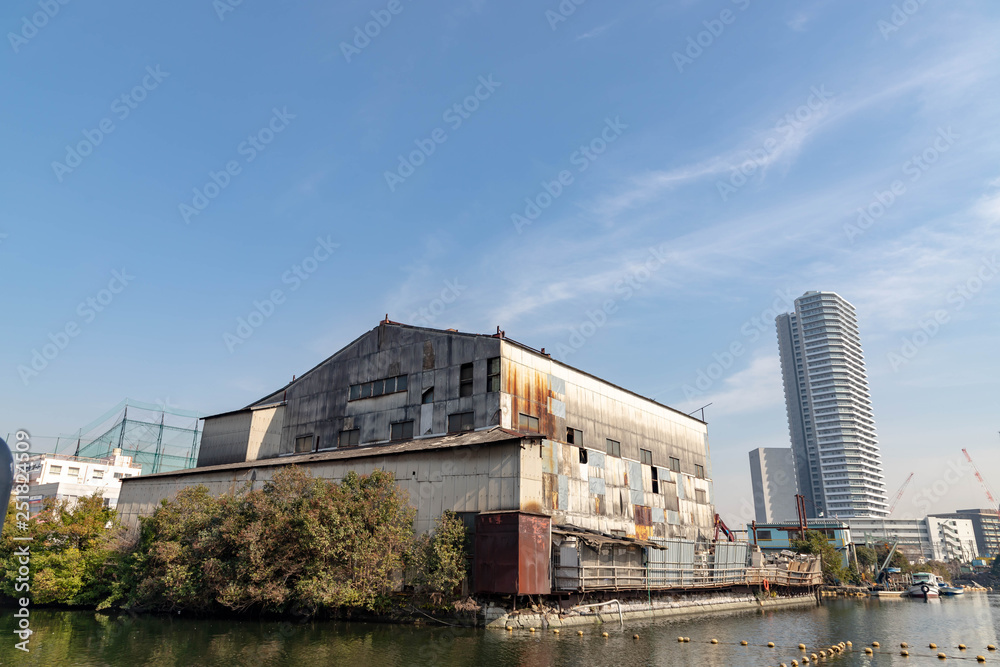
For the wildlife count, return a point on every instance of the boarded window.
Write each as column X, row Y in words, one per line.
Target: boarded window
column 350, row 438
column 401, row 430
column 461, row 421
column 493, row 374
column 614, row 448
column 574, row 437
column 527, row 423
column 303, row 443
column 465, row 380
column 675, row 464
column 646, row 456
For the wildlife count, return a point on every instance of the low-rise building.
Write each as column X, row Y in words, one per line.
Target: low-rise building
column 775, row 537
column 69, row 478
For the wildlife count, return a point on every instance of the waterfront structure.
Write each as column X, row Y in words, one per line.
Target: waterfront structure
column 772, row 475
column 778, row 536
column 64, row 477
column 471, row 423
column 830, row 417
column 985, row 525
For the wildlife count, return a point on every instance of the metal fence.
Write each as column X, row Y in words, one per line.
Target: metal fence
column 662, row 576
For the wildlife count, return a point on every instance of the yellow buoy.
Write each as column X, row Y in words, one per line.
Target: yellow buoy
column 579, row 632
column 555, row 631
column 875, row 644
column 687, row 639
column 980, row 658
column 805, row 660
column 822, row 653
column 782, row 665
column 635, row 636
column 904, row 653
column 961, row 647
column 743, row 643
column 802, row 647
column 932, row 645
column 770, row 644
column 850, row 644
column 604, row 634
column 531, row 629
column 942, row 656
column 680, row 639
column 868, row 651
column 510, row 628
column 904, row 645
column 991, row 647
column 715, row 641
column 815, row 657
column 795, row 663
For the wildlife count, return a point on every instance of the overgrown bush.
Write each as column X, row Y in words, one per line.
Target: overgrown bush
column 439, row 558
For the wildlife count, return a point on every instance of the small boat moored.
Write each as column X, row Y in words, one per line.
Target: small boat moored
column 944, row 588
column 925, row 585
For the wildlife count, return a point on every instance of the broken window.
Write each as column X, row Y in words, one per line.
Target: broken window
column 583, row 455
column 427, row 396
column 465, row 380
column 493, row 374
column 574, row 437
column 527, row 423
column 401, row 430
column 656, row 481
column 461, row 421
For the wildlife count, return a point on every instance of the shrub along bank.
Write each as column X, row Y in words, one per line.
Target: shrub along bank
column 298, row 545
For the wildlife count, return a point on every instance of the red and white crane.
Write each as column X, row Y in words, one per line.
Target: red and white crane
column 899, row 494
column 986, row 486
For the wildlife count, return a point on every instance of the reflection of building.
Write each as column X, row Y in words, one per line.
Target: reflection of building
column 772, row 473
column 830, row 417
column 775, row 537
column 470, row 423
column 985, row 525
column 71, row 477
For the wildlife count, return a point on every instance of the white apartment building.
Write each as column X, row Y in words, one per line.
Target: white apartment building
column 930, row 538
column 70, row 477
column 830, row 419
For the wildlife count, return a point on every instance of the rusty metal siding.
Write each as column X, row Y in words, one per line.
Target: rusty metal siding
column 512, row 554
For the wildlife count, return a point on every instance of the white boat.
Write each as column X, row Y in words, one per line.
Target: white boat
column 925, row 585
column 944, row 588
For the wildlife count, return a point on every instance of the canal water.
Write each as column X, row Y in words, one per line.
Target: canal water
column 86, row 638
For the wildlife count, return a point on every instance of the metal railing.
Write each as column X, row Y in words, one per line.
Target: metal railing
column 660, row 576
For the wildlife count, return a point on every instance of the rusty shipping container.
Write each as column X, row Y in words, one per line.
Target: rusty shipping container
column 512, row 553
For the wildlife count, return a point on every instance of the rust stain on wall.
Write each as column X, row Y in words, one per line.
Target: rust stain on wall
column 530, row 392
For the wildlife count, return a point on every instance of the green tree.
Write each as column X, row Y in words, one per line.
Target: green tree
column 440, row 557
column 816, row 543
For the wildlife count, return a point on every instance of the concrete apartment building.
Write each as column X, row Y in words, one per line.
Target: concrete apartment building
column 71, row 477
column 930, row 538
column 830, row 417
column 773, row 477
column 985, row 525
column 470, row 423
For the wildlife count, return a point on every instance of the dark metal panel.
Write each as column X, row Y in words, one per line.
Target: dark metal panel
column 512, row 553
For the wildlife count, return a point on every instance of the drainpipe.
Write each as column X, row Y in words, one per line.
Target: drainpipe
column 621, row 618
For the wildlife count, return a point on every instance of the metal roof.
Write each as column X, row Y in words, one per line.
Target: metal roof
column 490, row 436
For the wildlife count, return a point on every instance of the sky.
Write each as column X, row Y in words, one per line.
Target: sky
column 201, row 200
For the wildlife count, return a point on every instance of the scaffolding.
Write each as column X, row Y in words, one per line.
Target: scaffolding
column 160, row 438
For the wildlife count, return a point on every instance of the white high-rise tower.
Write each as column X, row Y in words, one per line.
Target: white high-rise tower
column 830, row 416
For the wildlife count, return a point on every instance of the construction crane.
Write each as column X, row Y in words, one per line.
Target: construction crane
column 899, row 494
column 986, row 487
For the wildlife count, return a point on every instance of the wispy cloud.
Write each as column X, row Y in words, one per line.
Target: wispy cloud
column 596, row 31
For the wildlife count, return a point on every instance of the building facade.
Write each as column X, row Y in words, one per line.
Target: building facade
column 778, row 536
column 470, row 423
column 72, row 477
column 931, row 538
column 985, row 526
column 772, row 474
column 830, row 418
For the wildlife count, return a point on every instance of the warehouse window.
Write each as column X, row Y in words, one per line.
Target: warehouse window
column 303, row 443
column 461, row 421
column 391, row 385
column 401, row 430
column 527, row 423
column 427, row 396
column 646, row 456
column 614, row 448
column 465, row 380
column 656, row 481
column 700, row 496
column 699, row 471
column 574, row 437
column 118, row 475
column 73, row 472
column 763, row 535
column 350, row 438
column 583, row 455
column 493, row 374
column 675, row 464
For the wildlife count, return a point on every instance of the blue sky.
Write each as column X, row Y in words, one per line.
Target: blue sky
column 633, row 186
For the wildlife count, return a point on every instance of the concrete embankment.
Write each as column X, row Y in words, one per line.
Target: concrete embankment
column 642, row 609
